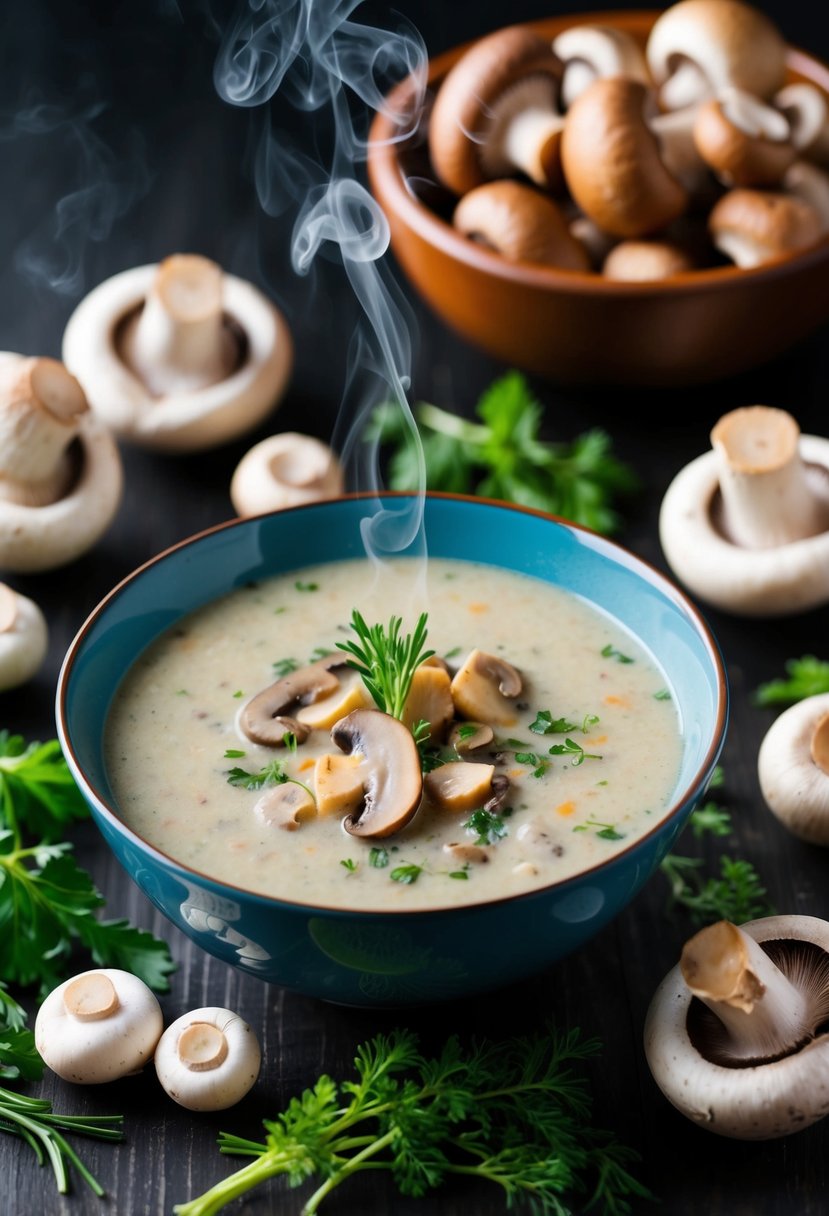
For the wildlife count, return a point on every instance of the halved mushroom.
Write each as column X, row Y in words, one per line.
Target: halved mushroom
column 746, row 525
column 179, row 355
column 284, row 471
column 733, row 1035
column 806, row 109
column 591, row 51
column 496, row 113
column 645, row 261
column 24, row 638
column 745, row 142
column 286, row 806
column 521, row 224
column 269, row 716
column 60, row 471
column 697, row 47
column 612, row 163
column 484, row 689
column 793, row 769
column 753, row 227
column 459, row 785
column 392, row 780
column 430, row 700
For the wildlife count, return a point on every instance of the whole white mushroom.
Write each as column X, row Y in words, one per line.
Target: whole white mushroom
column 208, row 1059
column 24, row 638
column 793, row 768
column 285, row 470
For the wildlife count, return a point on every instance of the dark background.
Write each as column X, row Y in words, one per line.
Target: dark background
column 118, row 151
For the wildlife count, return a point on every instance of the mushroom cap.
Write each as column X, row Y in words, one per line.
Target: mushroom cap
column 392, row 777
column 99, row 1025
column 745, row 142
column 184, row 421
column 612, row 164
column 645, row 261
column 34, row 538
column 778, row 581
column 794, row 785
column 587, row 51
column 758, row 1102
column 285, row 470
column 484, row 689
column 753, row 227
column 462, row 109
column 208, row 1059
column 24, row 638
column 806, row 109
column 521, row 224
column 266, row 718
column 728, row 43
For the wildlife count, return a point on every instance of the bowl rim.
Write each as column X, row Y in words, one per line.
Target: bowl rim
column 597, row 541
column 388, row 184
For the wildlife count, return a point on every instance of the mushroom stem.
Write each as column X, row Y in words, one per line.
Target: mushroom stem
column 179, row 341
column 40, row 408
column 767, row 498
column 91, row 997
column 764, row 1014
column 530, row 142
column 202, row 1047
column 819, row 746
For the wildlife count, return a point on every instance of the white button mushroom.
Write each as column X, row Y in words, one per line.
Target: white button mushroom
column 24, row 638
column 285, row 470
column 178, row 355
column 793, row 769
column 98, row 1026
column 60, row 471
column 590, row 51
column 746, row 525
column 732, row 1034
column 208, row 1059
column 521, row 224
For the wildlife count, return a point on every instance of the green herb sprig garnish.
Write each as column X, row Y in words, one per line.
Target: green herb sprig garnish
column 574, row 750
column 516, row 1113
column 487, row 826
column 385, row 660
column 503, row 456
column 807, row 676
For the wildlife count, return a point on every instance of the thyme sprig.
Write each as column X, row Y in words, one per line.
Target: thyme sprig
column 385, row 660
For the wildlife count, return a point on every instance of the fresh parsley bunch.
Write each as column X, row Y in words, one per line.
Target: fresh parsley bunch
column 504, row 457
column 515, row 1113
column 807, row 676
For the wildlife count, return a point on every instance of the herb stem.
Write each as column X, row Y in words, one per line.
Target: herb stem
column 355, row 1163
column 450, row 424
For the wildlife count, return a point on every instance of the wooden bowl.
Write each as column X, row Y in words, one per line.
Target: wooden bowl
column 581, row 328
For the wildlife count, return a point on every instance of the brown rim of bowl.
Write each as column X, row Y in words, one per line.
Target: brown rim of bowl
column 387, row 179
column 692, row 790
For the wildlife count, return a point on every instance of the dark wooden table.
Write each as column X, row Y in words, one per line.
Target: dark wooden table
column 117, row 151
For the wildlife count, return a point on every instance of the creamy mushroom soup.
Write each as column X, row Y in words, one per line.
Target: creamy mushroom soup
column 584, row 760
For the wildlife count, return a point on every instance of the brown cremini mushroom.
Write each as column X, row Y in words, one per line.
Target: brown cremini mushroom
column 271, row 715
column 806, row 109
column 745, row 526
column 745, row 142
column 674, row 131
column 24, row 638
column 485, row 688
column 793, row 769
column 698, row 47
column 590, row 51
column 469, row 736
column 285, row 470
column 645, row 261
column 496, row 113
column 734, row 1033
column 392, row 779
column 521, row 224
column 179, row 355
column 459, row 785
column 612, row 163
column 809, row 183
column 61, row 476
column 753, row 227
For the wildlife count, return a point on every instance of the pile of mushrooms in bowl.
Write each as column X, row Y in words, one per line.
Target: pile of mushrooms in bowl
column 566, row 170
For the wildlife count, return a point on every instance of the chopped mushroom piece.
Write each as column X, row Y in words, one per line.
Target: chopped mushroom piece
column 745, row 142
column 98, row 1026
column 496, row 113
column 351, row 693
column 287, row 806
column 472, row 854
column 392, row 779
column 430, row 700
column 285, row 471
column 484, row 689
column 60, row 471
column 469, row 736
column 24, row 638
column 208, row 1059
column 267, row 717
column 793, row 769
column 590, row 51
column 459, row 785
column 338, row 784
column 612, row 163
column 696, row 48
column 521, row 224
column 753, row 227
column 733, row 1035
column 746, row 525
column 179, row 355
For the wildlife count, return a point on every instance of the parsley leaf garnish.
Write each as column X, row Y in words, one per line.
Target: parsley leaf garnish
column 611, row 652
column 378, row 858
column 407, row 873
column 574, row 750
column 487, row 826
column 807, row 677
column 272, row 774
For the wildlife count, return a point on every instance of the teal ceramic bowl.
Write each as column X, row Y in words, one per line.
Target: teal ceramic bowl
column 399, row 957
